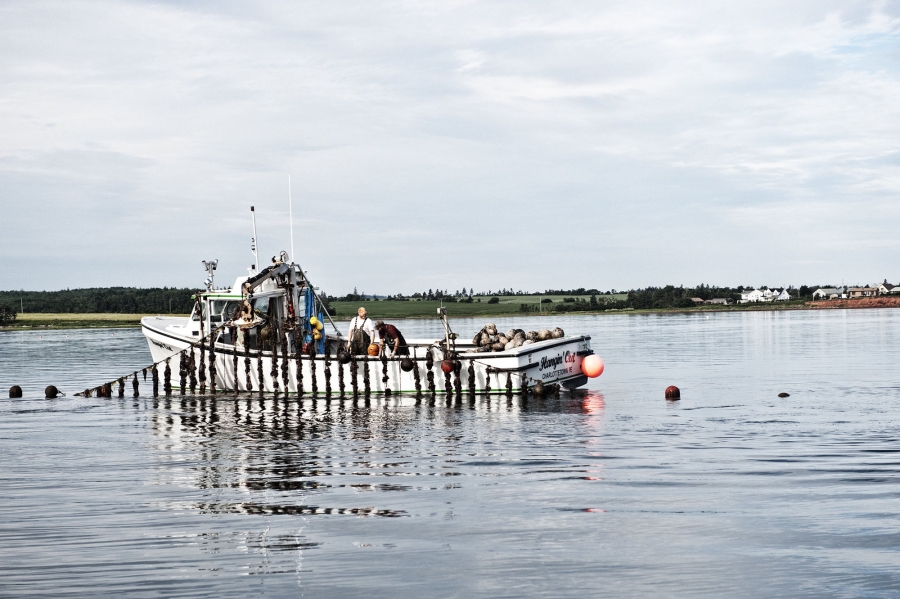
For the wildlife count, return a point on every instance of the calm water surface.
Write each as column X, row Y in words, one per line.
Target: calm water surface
column 731, row 492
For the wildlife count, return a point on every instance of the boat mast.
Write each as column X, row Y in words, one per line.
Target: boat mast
column 291, row 213
column 254, row 245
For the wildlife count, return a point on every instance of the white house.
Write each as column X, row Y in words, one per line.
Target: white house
column 765, row 295
column 755, row 295
column 782, row 295
column 827, row 293
column 887, row 289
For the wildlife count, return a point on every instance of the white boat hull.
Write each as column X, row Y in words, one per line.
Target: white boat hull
column 555, row 361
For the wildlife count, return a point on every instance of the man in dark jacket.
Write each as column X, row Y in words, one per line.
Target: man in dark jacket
column 391, row 338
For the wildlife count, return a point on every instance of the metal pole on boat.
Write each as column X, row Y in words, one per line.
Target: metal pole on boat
column 255, row 245
column 291, row 213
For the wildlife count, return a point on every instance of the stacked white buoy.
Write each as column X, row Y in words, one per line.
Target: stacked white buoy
column 488, row 339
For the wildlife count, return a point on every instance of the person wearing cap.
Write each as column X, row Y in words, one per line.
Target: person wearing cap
column 392, row 338
column 361, row 333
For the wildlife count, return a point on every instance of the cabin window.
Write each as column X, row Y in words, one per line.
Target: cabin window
column 197, row 314
column 300, row 308
column 222, row 310
column 261, row 305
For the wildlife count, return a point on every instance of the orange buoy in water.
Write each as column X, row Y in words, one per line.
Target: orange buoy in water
column 592, row 366
column 673, row 393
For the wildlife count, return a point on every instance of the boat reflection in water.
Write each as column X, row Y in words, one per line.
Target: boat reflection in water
column 292, row 450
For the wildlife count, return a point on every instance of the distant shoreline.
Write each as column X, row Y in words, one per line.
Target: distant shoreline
column 54, row 321
column 39, row 321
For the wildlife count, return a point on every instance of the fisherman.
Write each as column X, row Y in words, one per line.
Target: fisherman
column 361, row 333
column 392, row 338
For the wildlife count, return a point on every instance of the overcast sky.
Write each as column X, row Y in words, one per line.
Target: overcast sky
column 451, row 144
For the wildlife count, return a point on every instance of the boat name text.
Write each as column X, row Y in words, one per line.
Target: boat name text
column 162, row 345
column 557, row 360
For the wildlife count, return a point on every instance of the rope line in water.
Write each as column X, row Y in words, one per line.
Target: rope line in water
column 182, row 371
column 192, row 366
column 212, row 364
column 416, row 377
column 274, row 371
column 354, row 374
column 366, row 382
column 312, row 369
column 234, row 360
column 327, row 374
column 249, row 385
column 285, row 375
column 259, row 372
column 167, row 378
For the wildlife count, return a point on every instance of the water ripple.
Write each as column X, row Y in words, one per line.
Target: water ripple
column 729, row 492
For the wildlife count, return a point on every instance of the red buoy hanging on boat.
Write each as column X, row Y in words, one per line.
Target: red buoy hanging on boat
column 592, row 366
column 447, row 366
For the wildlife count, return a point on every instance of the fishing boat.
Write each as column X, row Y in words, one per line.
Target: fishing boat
column 267, row 333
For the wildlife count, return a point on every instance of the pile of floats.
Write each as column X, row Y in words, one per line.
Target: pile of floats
column 488, row 339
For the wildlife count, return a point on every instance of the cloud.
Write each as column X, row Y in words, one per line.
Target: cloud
column 454, row 144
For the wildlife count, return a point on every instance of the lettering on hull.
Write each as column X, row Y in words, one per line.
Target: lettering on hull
column 162, row 345
column 559, row 365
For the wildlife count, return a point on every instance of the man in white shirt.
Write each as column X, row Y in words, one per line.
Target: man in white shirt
column 361, row 333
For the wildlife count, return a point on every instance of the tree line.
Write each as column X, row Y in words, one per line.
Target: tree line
column 171, row 300
column 121, row 300
column 7, row 315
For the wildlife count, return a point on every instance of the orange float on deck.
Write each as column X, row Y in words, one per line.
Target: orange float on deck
column 592, row 366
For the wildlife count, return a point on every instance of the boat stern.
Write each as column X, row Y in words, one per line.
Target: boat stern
column 558, row 361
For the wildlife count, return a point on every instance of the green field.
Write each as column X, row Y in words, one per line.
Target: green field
column 509, row 304
column 384, row 309
column 555, row 299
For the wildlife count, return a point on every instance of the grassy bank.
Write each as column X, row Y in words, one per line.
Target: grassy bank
column 64, row 320
column 402, row 309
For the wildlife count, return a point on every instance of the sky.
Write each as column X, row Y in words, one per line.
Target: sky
column 526, row 145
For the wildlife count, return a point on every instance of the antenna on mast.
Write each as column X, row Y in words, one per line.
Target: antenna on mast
column 291, row 212
column 254, row 242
